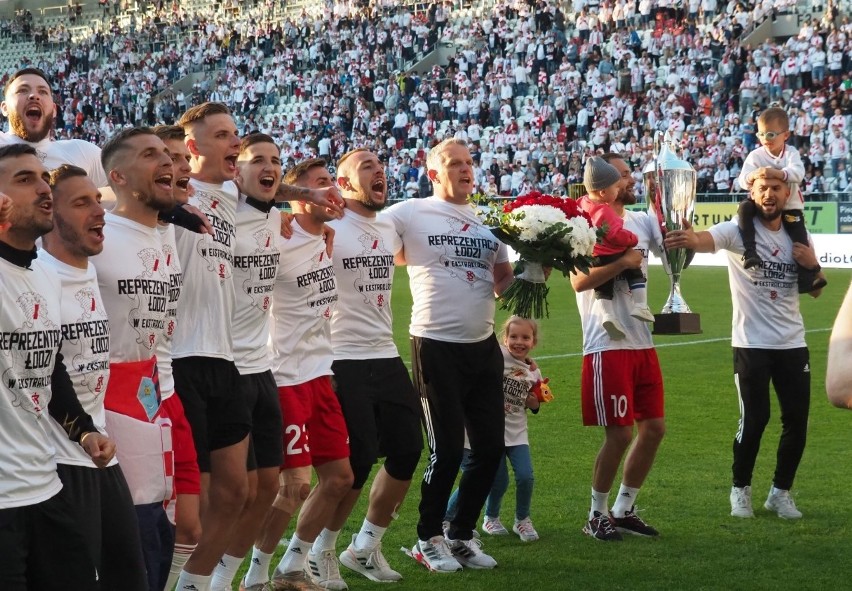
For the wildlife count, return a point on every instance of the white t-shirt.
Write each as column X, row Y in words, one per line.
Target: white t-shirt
column 85, row 348
column 54, row 153
column 789, row 161
column 29, row 341
column 207, row 301
column 134, row 284
column 303, row 301
column 765, row 298
column 256, row 258
column 638, row 334
column 164, row 345
column 362, row 324
column 518, row 380
column 451, row 257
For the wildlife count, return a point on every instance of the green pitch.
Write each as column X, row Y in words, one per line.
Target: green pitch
column 686, row 495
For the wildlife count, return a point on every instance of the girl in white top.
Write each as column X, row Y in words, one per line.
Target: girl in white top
column 523, row 388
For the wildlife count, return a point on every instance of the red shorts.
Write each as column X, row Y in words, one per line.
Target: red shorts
column 187, row 476
column 312, row 409
column 621, row 386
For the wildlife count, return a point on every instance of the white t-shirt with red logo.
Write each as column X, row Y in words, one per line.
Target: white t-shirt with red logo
column 30, row 334
column 256, row 258
column 164, row 345
column 207, row 300
column 765, row 298
column 134, row 283
column 303, row 302
column 451, row 258
column 362, row 324
column 518, row 380
column 85, row 349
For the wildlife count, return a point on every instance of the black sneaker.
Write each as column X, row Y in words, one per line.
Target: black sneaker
column 751, row 259
column 633, row 524
column 600, row 528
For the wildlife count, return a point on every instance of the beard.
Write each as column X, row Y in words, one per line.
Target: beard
column 156, row 203
column 73, row 239
column 370, row 203
column 769, row 216
column 18, row 126
column 627, row 197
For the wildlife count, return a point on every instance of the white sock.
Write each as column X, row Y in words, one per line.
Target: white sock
column 295, row 555
column 369, row 537
column 326, row 540
column 190, row 582
column 625, row 500
column 600, row 503
column 181, row 555
column 224, row 573
column 640, row 296
column 258, row 570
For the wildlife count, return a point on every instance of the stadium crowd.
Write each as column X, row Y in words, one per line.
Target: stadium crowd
column 537, row 86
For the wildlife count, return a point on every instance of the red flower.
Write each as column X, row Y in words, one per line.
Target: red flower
column 568, row 206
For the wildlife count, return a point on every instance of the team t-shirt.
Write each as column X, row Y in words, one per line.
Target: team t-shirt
column 518, row 379
column 765, row 298
column 637, row 333
column 164, row 344
column 85, row 349
column 362, row 324
column 256, row 258
column 134, row 280
column 30, row 335
column 303, row 301
column 451, row 257
column 54, row 153
column 206, row 303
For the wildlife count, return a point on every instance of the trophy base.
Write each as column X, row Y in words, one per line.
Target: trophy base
column 677, row 323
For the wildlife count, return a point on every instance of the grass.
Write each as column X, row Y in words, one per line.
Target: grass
column 686, row 494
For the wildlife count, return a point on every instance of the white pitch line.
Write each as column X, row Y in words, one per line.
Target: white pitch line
column 661, row 345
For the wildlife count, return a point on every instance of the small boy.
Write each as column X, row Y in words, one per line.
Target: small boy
column 602, row 183
column 775, row 160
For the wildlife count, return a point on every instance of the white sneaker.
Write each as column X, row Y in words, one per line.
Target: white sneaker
column 324, row 570
column 370, row 563
column 469, row 553
column 741, row 502
column 782, row 504
column 493, row 526
column 525, row 530
column 435, row 555
column 613, row 327
column 642, row 313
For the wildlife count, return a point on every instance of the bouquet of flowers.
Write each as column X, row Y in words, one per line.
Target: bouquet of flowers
column 546, row 231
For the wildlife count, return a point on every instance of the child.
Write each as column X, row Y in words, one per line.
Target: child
column 523, row 388
column 602, row 183
column 775, row 160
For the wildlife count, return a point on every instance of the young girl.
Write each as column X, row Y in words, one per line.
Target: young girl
column 523, row 388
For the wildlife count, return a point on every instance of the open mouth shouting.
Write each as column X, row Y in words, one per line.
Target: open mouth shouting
column 33, row 113
column 96, row 231
column 182, row 183
column 46, row 205
column 164, row 181
column 231, row 163
column 267, row 181
column 378, row 187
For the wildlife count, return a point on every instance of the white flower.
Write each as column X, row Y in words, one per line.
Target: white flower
column 582, row 236
column 536, row 219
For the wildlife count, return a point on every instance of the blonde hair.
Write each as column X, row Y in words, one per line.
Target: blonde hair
column 504, row 332
column 434, row 159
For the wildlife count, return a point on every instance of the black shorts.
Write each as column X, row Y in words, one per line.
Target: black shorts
column 381, row 408
column 43, row 548
column 212, row 403
column 104, row 509
column 266, row 445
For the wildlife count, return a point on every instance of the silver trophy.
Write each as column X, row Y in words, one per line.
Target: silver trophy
column 670, row 186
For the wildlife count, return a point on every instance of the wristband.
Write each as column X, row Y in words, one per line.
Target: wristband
column 83, row 438
column 817, row 269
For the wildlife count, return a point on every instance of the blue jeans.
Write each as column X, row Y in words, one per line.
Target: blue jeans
column 521, row 460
